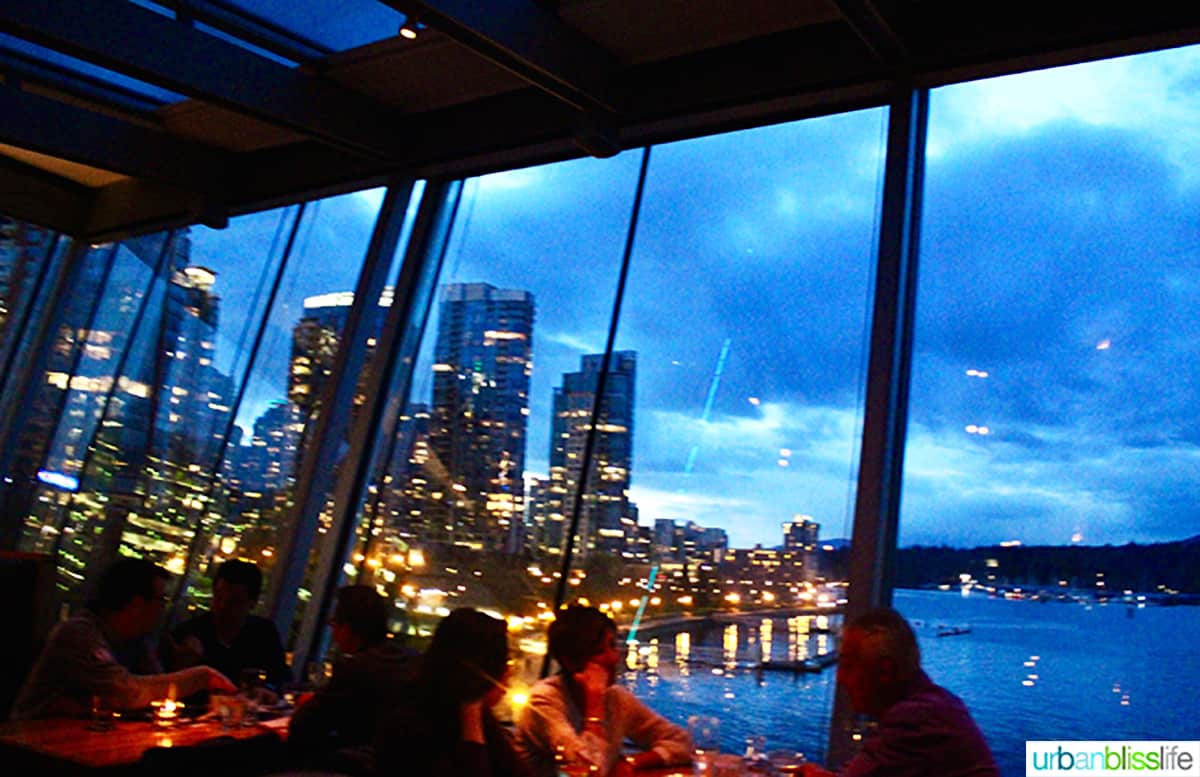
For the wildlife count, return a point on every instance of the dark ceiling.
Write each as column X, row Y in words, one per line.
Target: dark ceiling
column 123, row 116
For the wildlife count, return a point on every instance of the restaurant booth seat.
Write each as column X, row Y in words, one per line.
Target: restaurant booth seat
column 27, row 580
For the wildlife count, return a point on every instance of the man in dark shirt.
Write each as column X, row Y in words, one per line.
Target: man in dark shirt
column 924, row 730
column 79, row 666
column 228, row 637
column 335, row 726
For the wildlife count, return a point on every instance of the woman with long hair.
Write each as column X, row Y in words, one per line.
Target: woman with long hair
column 444, row 725
column 579, row 715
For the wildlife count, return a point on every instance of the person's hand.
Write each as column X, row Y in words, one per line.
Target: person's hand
column 593, row 679
column 219, row 682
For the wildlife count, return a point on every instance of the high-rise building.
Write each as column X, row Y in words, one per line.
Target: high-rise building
column 316, row 339
column 479, row 415
column 608, row 519
column 800, row 533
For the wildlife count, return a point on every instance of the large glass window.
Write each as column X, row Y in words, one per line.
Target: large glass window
column 727, row 446
column 1050, row 477
column 525, row 288
column 174, row 412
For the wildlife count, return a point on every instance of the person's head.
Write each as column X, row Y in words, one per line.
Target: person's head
column 581, row 635
column 130, row 596
column 879, row 658
column 236, row 587
column 360, row 618
column 468, row 658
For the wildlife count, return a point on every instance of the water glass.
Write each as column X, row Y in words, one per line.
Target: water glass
column 230, row 709
column 786, row 762
column 705, row 731
column 103, row 717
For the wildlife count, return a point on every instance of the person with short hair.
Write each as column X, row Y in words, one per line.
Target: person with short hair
column 228, row 637
column 79, row 662
column 443, row 724
column 924, row 730
column 581, row 714
column 335, row 724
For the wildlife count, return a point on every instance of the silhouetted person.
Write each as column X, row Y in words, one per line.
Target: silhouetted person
column 367, row 681
column 80, row 662
column 924, row 730
column 228, row 637
column 580, row 712
column 443, row 725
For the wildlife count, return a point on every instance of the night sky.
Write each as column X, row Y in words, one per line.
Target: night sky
column 1059, row 256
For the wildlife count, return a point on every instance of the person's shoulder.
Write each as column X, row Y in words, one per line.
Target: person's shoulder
column 81, row 628
column 547, row 686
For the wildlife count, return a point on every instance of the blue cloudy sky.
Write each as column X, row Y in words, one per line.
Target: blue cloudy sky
column 1059, row 256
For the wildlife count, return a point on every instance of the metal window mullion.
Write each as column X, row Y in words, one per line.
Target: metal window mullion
column 21, row 322
column 324, row 434
column 236, row 408
column 387, row 385
column 877, row 504
column 157, row 273
column 589, row 444
column 15, row 496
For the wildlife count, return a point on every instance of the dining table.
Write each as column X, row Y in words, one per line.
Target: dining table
column 79, row 746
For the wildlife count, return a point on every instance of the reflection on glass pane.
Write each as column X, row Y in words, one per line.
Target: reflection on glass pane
column 1054, row 379
column 29, row 256
column 745, row 315
column 292, row 366
column 526, row 289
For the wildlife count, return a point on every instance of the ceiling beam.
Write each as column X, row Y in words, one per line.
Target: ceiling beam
column 530, row 41
column 129, row 39
column 30, row 194
column 876, row 29
column 68, row 132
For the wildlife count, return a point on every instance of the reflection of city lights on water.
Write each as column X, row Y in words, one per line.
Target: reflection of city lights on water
column 1104, row 345
column 977, row 373
column 755, row 401
column 1027, row 683
column 976, row 429
column 729, row 645
column 766, row 637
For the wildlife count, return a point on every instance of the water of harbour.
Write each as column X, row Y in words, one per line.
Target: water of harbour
column 1027, row 670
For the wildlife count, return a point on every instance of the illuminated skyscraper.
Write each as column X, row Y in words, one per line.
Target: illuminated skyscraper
column 608, row 519
column 479, row 415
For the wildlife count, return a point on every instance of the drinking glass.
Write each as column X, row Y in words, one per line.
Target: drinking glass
column 253, row 685
column 103, row 717
column 230, row 709
column 756, row 754
column 786, row 762
column 706, row 743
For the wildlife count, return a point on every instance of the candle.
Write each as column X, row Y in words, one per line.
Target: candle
column 166, row 711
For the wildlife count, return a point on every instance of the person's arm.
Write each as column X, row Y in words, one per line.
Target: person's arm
column 129, row 691
column 546, row 729
column 664, row 742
